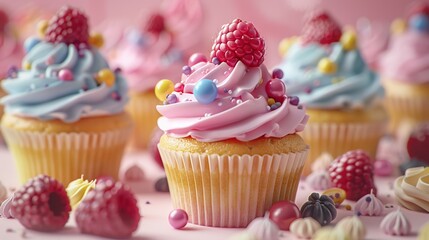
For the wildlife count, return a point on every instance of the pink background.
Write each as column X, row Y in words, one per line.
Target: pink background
column 275, row 19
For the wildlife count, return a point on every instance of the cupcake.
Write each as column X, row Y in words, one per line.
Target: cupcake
column 325, row 70
column 230, row 147
column 404, row 70
column 152, row 53
column 64, row 112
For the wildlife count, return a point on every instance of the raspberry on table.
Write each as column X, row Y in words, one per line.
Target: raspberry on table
column 239, row 41
column 41, row 204
column 321, row 28
column 109, row 210
column 353, row 172
column 69, row 26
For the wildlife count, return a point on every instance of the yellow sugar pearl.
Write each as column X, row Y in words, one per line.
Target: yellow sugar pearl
column 327, row 66
column 26, row 65
column 336, row 80
column 106, row 76
column 42, row 26
column 398, row 26
column 163, row 88
column 349, row 40
column 271, row 101
column 285, row 44
column 337, row 194
column 96, row 40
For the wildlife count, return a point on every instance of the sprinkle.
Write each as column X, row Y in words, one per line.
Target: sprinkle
column 268, row 108
column 294, row 100
column 299, row 106
column 117, row 70
column 147, row 202
column 172, row 98
column 215, row 61
column 225, row 90
column 225, row 73
column 230, row 92
column 368, row 199
column 271, row 101
column 348, row 207
column 10, row 230
column 239, row 101
column 116, row 96
column 308, row 90
column 275, row 106
column 186, row 70
column 220, row 104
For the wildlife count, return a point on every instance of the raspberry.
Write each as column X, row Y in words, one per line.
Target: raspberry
column 239, row 41
column 155, row 24
column 321, row 28
column 68, row 26
column 418, row 143
column 109, row 210
column 41, row 204
column 353, row 172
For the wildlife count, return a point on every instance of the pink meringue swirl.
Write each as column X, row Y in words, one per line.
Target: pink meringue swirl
column 407, row 59
column 240, row 110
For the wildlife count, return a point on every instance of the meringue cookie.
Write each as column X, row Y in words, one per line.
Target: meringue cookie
column 330, row 233
column 396, row 223
column 3, row 193
column 264, row 228
column 134, row 174
column 5, row 211
column 77, row 190
column 353, row 227
column 245, row 235
column 412, row 189
column 369, row 205
column 319, row 180
column 424, row 232
column 304, row 227
column 322, row 162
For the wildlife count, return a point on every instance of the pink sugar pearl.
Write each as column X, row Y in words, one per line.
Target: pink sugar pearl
column 383, row 168
column 65, row 75
column 178, row 218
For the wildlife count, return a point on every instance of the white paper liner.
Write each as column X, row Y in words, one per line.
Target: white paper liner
column 230, row 191
column 66, row 156
column 338, row 138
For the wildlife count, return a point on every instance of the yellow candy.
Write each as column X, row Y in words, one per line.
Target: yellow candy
column 26, row 65
column 285, row 44
column 398, row 26
column 327, row 66
column 42, row 26
column 271, row 101
column 337, row 194
column 348, row 40
column 163, row 88
column 106, row 76
column 96, row 40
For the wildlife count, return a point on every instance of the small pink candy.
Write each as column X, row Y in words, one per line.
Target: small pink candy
column 178, row 87
column 196, row 58
column 65, row 75
column 178, row 218
column 383, row 168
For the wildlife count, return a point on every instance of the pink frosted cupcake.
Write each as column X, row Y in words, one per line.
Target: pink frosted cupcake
column 155, row 52
column 230, row 148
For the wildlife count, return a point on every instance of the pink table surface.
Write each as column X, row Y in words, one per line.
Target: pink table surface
column 155, row 207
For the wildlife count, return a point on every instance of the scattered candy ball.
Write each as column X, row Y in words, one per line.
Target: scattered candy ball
column 96, row 40
column 338, row 195
column 196, row 58
column 106, row 76
column 186, row 70
column 205, row 91
column 178, row 218
column 42, row 26
column 65, row 75
column 277, row 73
column 271, row 101
column 326, row 66
column 30, row 43
column 26, row 65
column 294, row 100
column 348, row 40
column 398, row 26
column 420, row 23
column 163, row 88
column 276, row 89
column 172, row 98
column 283, row 213
column 383, row 168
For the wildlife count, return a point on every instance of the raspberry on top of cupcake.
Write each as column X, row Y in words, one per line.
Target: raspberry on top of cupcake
column 158, row 48
column 324, row 67
column 63, row 74
column 406, row 59
column 232, row 95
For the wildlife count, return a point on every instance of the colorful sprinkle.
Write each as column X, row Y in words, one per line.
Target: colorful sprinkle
column 96, row 40
column 215, row 61
column 186, row 70
column 277, row 73
column 294, row 100
column 271, row 101
column 275, row 106
column 179, row 87
column 348, row 207
column 172, row 98
column 326, row 66
column 106, row 76
column 65, row 75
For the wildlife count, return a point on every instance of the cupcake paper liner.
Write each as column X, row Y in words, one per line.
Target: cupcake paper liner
column 230, row 190
column 66, row 156
column 142, row 109
column 338, row 138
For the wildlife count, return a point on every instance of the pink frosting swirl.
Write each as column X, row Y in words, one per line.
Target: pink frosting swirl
column 240, row 110
column 407, row 59
column 373, row 41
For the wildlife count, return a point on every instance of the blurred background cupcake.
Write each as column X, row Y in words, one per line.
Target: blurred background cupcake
column 231, row 148
column 64, row 112
column 324, row 69
column 152, row 52
column 404, row 70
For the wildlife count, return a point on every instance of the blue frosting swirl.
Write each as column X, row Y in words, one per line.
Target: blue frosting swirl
column 353, row 85
column 39, row 92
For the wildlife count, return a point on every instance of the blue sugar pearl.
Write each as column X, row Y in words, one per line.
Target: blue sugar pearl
column 420, row 22
column 30, row 43
column 205, row 91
